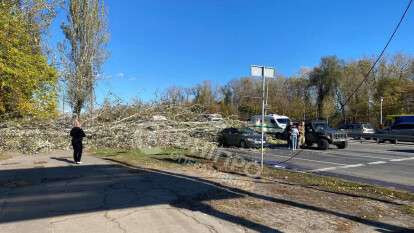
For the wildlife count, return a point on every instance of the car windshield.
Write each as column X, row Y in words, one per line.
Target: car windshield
column 320, row 126
column 367, row 126
column 247, row 131
column 283, row 120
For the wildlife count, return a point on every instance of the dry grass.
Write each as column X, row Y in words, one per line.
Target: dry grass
column 329, row 192
column 4, row 156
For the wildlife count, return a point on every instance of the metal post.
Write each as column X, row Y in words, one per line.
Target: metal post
column 267, row 95
column 382, row 99
column 263, row 113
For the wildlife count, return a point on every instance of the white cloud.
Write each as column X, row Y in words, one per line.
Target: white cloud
column 104, row 77
column 120, row 75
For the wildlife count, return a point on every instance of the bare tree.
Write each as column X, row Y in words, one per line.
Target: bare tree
column 84, row 49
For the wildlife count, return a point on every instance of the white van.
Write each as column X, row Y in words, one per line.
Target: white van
column 273, row 124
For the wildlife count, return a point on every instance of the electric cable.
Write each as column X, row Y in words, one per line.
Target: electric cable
column 380, row 55
column 370, row 70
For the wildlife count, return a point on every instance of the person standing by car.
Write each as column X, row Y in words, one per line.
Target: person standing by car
column 294, row 137
column 301, row 143
column 288, row 135
column 77, row 135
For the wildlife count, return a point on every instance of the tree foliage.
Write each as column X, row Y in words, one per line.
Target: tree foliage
column 83, row 51
column 319, row 92
column 27, row 81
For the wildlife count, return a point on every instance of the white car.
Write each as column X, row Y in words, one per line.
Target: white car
column 273, row 123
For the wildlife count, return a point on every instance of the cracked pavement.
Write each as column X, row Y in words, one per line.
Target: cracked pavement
column 48, row 193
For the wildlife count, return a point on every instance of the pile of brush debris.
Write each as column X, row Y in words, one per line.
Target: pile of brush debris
column 117, row 127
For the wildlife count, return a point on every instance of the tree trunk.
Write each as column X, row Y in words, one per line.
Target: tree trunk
column 77, row 108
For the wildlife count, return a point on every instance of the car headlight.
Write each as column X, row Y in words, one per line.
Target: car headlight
column 250, row 139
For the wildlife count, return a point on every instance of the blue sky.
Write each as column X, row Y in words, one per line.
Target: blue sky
column 159, row 43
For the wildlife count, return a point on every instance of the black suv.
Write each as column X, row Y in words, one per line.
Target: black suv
column 318, row 131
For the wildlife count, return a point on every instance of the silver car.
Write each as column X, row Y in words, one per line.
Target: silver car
column 356, row 130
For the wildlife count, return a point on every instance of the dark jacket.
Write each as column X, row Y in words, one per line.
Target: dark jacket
column 77, row 135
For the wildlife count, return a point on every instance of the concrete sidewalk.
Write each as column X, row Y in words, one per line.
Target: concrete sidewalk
column 48, row 193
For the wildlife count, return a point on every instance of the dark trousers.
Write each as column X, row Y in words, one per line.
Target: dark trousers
column 77, row 151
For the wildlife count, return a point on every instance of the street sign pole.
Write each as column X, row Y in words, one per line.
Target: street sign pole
column 382, row 100
column 263, row 114
column 263, row 72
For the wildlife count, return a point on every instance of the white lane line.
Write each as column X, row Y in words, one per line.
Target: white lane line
column 324, row 169
column 399, row 160
column 360, row 165
column 288, row 156
column 340, row 167
column 353, row 165
column 377, row 162
column 358, row 156
column 317, row 161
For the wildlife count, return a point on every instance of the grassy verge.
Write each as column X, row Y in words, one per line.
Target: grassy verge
column 171, row 158
column 326, row 183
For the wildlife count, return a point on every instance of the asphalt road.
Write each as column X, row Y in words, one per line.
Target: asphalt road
column 49, row 194
column 368, row 162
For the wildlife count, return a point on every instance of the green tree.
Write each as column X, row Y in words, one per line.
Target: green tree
column 325, row 80
column 27, row 81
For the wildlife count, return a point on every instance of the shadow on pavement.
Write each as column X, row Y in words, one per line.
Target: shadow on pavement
column 36, row 193
column 66, row 160
column 50, row 192
column 403, row 150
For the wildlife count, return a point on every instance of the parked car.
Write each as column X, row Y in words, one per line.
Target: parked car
column 319, row 132
column 244, row 137
column 403, row 131
column 356, row 129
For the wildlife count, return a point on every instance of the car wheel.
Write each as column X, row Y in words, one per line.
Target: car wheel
column 323, row 144
column 243, row 144
column 342, row 145
column 394, row 141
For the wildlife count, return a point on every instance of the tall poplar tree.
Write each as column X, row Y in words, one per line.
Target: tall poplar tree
column 84, row 49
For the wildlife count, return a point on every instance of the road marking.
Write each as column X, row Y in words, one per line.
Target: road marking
column 358, row 156
column 360, row 165
column 377, row 162
column 311, row 160
column 353, row 165
column 341, row 167
column 399, row 160
column 296, row 158
column 324, row 169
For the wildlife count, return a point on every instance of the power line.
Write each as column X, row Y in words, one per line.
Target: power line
column 380, row 55
column 367, row 74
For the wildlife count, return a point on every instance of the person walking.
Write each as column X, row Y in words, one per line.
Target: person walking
column 77, row 135
column 294, row 137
